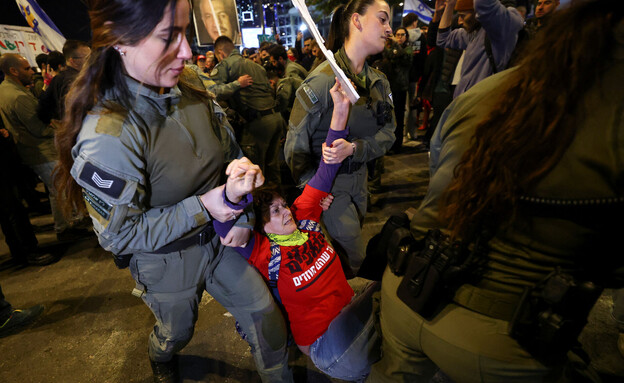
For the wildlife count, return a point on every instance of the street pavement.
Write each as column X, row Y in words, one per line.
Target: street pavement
column 94, row 330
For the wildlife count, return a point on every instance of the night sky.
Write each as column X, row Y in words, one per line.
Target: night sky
column 70, row 16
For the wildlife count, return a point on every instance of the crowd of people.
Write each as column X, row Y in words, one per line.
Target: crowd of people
column 279, row 164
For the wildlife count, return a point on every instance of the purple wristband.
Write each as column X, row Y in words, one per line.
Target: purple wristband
column 244, row 202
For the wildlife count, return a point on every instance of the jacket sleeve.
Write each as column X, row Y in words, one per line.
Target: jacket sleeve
column 311, row 105
column 371, row 147
column 25, row 108
column 501, row 25
column 223, row 86
column 455, row 39
column 111, row 171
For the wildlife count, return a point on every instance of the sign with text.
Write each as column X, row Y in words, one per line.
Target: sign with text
column 21, row 40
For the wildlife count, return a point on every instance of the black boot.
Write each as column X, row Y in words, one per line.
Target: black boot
column 19, row 319
column 166, row 372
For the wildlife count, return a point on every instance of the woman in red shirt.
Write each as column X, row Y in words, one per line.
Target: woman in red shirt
column 288, row 249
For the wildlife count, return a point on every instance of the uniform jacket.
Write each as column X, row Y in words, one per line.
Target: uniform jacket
column 500, row 24
column 258, row 96
column 34, row 139
column 311, row 115
column 142, row 166
column 295, row 70
column 542, row 237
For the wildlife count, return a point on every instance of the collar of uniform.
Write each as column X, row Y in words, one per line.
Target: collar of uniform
column 163, row 102
column 15, row 83
column 345, row 63
column 234, row 52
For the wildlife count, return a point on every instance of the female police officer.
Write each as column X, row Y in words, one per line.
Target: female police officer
column 363, row 27
column 144, row 145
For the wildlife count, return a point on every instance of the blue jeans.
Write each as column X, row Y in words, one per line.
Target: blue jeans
column 44, row 171
column 351, row 344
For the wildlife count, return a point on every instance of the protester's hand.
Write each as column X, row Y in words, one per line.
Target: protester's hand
column 337, row 152
column 440, row 5
column 213, row 202
column 341, row 102
column 245, row 80
column 4, row 133
column 299, row 35
column 237, row 237
column 326, row 202
column 243, row 178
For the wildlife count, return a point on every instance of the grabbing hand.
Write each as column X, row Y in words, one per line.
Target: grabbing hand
column 213, row 202
column 243, row 178
column 337, row 152
column 237, row 237
column 326, row 202
column 4, row 133
column 245, row 80
column 440, row 5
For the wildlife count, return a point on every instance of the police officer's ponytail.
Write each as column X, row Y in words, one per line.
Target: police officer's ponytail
column 339, row 28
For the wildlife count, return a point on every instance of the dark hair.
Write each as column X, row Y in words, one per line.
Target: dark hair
column 409, row 19
column 533, row 122
column 41, row 60
column 113, row 22
column 262, row 199
column 406, row 33
column 278, row 51
column 225, row 44
column 339, row 28
column 71, row 46
column 56, row 60
column 264, row 45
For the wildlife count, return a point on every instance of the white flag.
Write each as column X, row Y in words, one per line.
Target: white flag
column 425, row 14
column 41, row 24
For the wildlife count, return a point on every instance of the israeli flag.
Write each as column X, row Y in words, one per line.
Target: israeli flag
column 424, row 12
column 41, row 24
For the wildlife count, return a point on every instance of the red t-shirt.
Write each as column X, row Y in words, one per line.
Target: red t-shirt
column 311, row 282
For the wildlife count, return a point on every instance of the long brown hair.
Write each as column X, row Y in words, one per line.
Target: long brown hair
column 533, row 123
column 113, row 22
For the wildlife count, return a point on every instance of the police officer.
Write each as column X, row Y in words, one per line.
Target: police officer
column 143, row 147
column 371, row 121
column 262, row 131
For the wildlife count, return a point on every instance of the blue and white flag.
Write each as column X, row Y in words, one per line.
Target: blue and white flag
column 41, row 24
column 424, row 12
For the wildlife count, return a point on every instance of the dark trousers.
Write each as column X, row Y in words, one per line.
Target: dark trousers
column 18, row 232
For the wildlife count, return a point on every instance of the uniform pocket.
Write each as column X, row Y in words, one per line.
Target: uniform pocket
column 148, row 272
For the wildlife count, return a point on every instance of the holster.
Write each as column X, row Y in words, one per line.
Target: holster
column 551, row 315
column 433, row 275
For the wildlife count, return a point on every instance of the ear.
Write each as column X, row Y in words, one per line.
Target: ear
column 355, row 19
column 14, row 71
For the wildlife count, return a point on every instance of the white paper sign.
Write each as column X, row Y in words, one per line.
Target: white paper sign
column 342, row 77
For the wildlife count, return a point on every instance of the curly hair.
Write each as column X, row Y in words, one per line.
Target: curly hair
column 529, row 129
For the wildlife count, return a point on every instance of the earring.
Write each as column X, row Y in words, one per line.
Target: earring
column 121, row 53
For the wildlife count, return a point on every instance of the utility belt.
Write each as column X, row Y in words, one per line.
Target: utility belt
column 546, row 319
column 200, row 239
column 349, row 166
column 252, row 114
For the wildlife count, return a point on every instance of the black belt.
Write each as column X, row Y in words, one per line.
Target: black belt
column 349, row 166
column 252, row 114
column 199, row 239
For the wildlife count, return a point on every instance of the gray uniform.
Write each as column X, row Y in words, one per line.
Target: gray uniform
column 142, row 171
column 295, row 70
column 260, row 136
column 371, row 123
